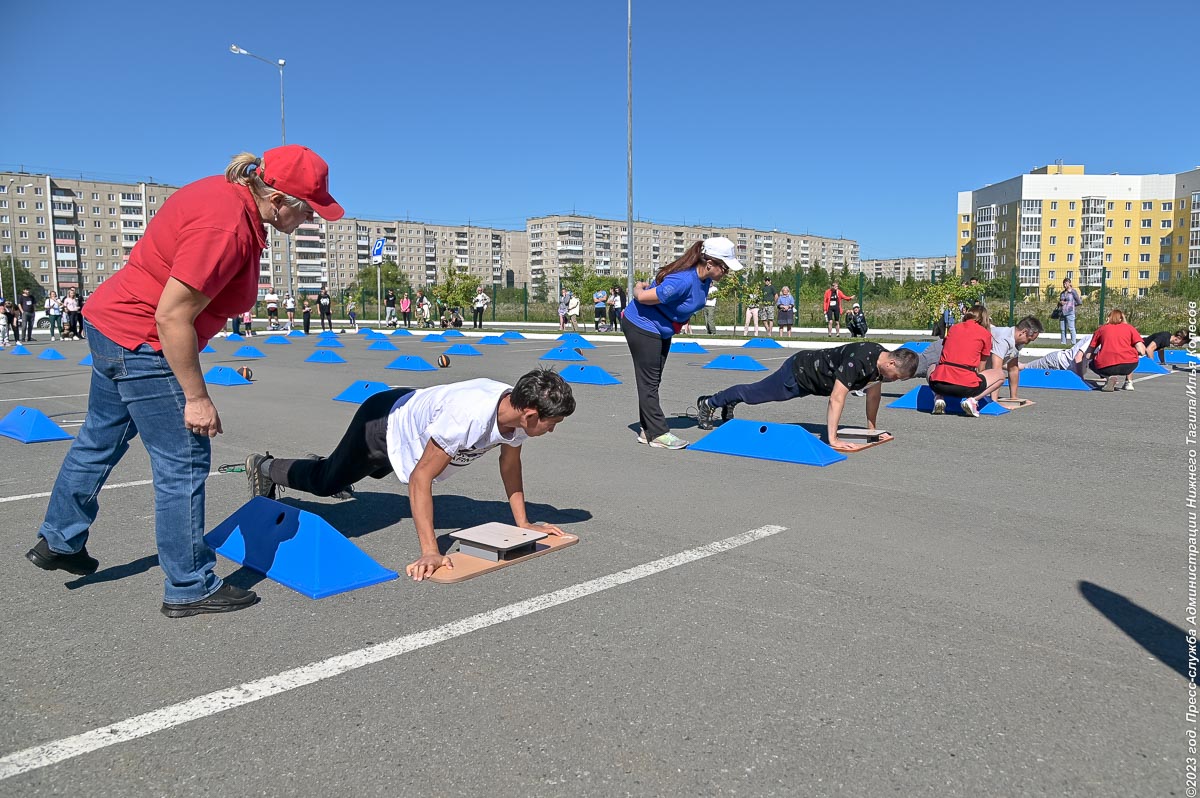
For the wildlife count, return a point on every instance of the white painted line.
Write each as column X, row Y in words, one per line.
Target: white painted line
column 37, row 398
column 134, row 484
column 178, row 714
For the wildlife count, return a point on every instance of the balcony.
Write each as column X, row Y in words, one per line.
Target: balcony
column 61, row 212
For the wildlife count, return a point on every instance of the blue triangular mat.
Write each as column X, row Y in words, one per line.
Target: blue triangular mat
column 411, row 363
column 575, row 341
column 296, row 334
column 87, row 360
column 51, row 354
column 223, row 375
column 762, row 343
column 330, row 343
column 382, row 345
column 276, row 340
column 29, row 425
column 588, row 375
column 465, row 350
column 1054, row 379
column 434, row 338
column 360, row 391
column 786, row 443
column 512, row 335
column 19, row 350
column 208, row 350
column 735, row 363
column 562, row 353
column 401, row 331
column 323, row 356
column 689, row 347
column 915, row 346
column 1180, row 357
column 295, row 548
column 452, row 333
column 921, row 399
column 248, row 351
column 492, row 340
column 235, row 337
column 1149, row 366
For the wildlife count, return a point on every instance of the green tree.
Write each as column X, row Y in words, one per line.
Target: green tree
column 932, row 298
column 455, row 289
column 391, row 277
column 24, row 280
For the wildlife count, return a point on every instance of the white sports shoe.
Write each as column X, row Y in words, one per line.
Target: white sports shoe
column 939, row 406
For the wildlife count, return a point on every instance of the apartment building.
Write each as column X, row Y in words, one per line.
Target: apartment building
column 1058, row 222
column 555, row 242
column 901, row 268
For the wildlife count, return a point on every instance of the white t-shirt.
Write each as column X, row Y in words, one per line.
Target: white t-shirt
column 289, row 303
column 1004, row 344
column 711, row 300
column 459, row 417
column 272, row 301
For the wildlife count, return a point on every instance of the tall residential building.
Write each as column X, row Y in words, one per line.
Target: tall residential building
column 901, row 268
column 555, row 242
column 1058, row 222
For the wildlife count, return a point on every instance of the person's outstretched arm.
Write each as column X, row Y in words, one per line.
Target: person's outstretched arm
column 833, row 416
column 514, row 488
column 874, row 396
column 433, row 462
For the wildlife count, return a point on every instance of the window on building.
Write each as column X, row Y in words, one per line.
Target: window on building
column 1166, row 224
column 1070, row 257
column 1050, row 258
column 1053, row 240
column 1053, row 206
column 1144, row 257
column 1070, row 241
column 1147, row 206
column 1070, row 222
column 1125, row 258
column 1054, row 222
column 1166, row 206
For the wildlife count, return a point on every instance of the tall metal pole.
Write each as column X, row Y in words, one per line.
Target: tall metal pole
column 629, row 150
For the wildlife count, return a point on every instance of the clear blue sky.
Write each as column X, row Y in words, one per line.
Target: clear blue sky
column 854, row 119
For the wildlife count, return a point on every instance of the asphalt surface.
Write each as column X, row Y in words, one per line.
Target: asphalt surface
column 983, row 607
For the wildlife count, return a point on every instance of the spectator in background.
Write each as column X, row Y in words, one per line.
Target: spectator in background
column 27, row 305
column 389, row 308
column 753, row 298
column 72, row 306
column 352, row 314
column 289, row 305
column 325, row 308
column 599, row 308
column 1114, row 351
column 10, row 316
column 710, row 311
column 768, row 304
column 564, row 300
column 856, row 322
column 616, row 304
column 5, row 324
column 406, row 310
column 833, row 309
column 478, row 306
column 271, row 299
column 573, row 311
column 307, row 314
column 1068, row 300
column 1161, row 341
column 248, row 323
column 787, row 310
column 54, row 310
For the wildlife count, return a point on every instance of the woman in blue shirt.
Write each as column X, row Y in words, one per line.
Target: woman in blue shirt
column 656, row 312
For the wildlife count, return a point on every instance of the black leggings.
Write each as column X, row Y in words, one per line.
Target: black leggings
column 958, row 391
column 361, row 453
column 1116, row 370
column 649, row 356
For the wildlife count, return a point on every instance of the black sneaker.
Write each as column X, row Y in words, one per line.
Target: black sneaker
column 227, row 599
column 705, row 412
column 260, row 484
column 727, row 413
column 79, row 563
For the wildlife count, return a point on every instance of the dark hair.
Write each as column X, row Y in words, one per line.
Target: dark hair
column 906, row 361
column 688, row 260
column 939, row 328
column 546, row 392
column 1183, row 335
column 1030, row 324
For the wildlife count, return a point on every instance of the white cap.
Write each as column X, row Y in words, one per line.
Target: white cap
column 722, row 248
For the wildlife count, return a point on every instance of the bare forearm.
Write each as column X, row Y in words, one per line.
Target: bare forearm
column 179, row 345
column 833, row 416
column 420, row 497
column 514, row 488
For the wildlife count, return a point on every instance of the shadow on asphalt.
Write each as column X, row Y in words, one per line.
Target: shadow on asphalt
column 1164, row 640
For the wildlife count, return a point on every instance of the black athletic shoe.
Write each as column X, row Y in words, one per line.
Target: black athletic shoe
column 260, row 484
column 705, row 412
column 227, row 599
column 726, row 413
column 79, row 563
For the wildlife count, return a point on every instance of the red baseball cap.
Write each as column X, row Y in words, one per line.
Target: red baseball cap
column 303, row 174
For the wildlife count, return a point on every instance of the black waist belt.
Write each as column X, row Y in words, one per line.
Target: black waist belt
column 957, row 365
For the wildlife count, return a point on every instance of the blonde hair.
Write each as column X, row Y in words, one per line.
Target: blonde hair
column 980, row 315
column 1116, row 316
column 243, row 171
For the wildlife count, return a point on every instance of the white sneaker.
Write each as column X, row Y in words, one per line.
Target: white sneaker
column 939, row 406
column 970, row 407
column 668, row 440
column 1128, row 385
column 641, row 438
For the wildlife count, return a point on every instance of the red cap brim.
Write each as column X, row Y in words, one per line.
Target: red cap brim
column 327, row 208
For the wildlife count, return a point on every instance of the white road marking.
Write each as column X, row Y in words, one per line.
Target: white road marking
column 134, row 484
column 178, row 714
column 39, row 398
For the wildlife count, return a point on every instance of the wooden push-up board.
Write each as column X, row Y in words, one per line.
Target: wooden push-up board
column 513, row 545
column 1017, row 404
column 865, row 438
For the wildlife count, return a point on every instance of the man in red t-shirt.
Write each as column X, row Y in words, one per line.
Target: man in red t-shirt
column 959, row 372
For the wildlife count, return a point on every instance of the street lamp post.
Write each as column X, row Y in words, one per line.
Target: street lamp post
column 12, row 231
column 280, row 64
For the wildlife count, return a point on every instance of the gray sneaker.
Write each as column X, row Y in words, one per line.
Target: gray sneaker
column 705, row 413
column 668, row 440
column 259, row 484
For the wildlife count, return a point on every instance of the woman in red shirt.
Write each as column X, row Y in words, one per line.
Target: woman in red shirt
column 1114, row 350
column 196, row 266
column 958, row 372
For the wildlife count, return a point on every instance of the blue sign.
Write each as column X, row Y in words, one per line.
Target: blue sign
column 377, row 250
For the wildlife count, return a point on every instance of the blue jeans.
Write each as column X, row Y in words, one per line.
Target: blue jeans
column 779, row 387
column 1065, row 324
column 134, row 392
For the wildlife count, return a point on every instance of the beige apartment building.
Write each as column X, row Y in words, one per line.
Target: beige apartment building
column 901, row 268
column 555, row 242
column 1058, row 222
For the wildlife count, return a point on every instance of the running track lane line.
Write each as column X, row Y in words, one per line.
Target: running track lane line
column 178, row 714
column 134, row 484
